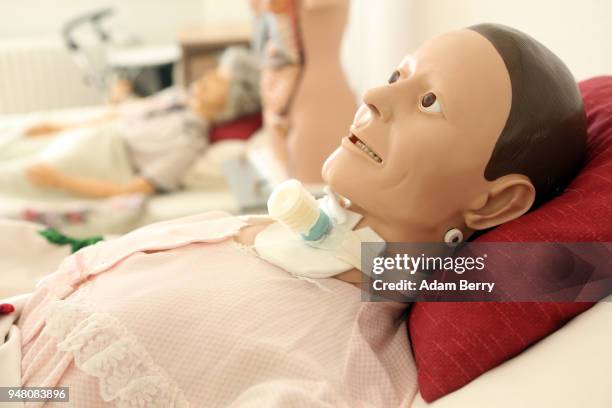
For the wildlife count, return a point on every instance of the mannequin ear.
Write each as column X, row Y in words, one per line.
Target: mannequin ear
column 508, row 198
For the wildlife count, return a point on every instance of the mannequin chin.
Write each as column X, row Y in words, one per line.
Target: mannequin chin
column 415, row 158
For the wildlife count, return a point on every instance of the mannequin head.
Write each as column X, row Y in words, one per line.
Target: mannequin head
column 229, row 91
column 209, row 94
column 472, row 129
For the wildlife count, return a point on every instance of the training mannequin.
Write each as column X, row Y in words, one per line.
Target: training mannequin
column 430, row 105
column 306, row 99
column 276, row 39
column 164, row 133
column 459, row 140
column 323, row 104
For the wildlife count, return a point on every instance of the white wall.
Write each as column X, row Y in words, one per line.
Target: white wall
column 154, row 21
column 216, row 11
column 579, row 32
column 375, row 40
column 36, row 71
column 379, row 32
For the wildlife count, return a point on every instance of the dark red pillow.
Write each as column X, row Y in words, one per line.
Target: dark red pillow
column 453, row 343
column 240, row 129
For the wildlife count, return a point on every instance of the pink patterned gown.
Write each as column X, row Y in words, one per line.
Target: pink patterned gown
column 177, row 314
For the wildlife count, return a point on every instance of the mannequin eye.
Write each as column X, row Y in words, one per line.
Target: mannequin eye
column 394, row 77
column 430, row 103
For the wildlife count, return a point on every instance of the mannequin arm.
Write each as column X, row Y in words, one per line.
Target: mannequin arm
column 49, row 128
column 47, row 176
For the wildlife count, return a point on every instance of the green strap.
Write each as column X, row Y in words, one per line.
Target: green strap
column 57, row 238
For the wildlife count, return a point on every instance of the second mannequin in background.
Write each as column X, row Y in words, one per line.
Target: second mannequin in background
column 298, row 90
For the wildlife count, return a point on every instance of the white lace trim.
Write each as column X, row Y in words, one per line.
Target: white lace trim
column 102, row 347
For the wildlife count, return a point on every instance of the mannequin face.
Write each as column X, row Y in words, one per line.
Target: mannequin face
column 432, row 131
column 209, row 94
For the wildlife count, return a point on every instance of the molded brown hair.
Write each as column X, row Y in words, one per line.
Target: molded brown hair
column 545, row 135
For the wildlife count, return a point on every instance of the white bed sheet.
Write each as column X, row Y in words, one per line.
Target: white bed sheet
column 18, row 122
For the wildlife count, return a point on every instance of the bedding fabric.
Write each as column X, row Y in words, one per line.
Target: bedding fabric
column 568, row 369
column 10, row 348
column 25, row 257
column 241, row 129
column 177, row 314
column 90, row 152
column 75, row 149
column 98, row 153
column 454, row 343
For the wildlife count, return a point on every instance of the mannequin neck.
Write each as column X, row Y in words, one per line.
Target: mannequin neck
column 392, row 231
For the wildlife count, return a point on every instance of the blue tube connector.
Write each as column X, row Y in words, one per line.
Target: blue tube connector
column 320, row 228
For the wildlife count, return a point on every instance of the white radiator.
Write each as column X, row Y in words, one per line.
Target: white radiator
column 39, row 74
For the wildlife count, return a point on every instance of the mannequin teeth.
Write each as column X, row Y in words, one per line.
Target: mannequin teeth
column 365, row 148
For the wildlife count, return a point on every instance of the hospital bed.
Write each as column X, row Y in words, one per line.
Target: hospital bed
column 565, row 369
column 121, row 214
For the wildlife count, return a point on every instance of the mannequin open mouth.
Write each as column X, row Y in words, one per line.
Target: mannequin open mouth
column 364, row 148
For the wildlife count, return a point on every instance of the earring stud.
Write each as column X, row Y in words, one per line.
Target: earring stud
column 453, row 237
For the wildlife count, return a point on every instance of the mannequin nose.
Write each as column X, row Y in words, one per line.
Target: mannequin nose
column 377, row 103
column 363, row 116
